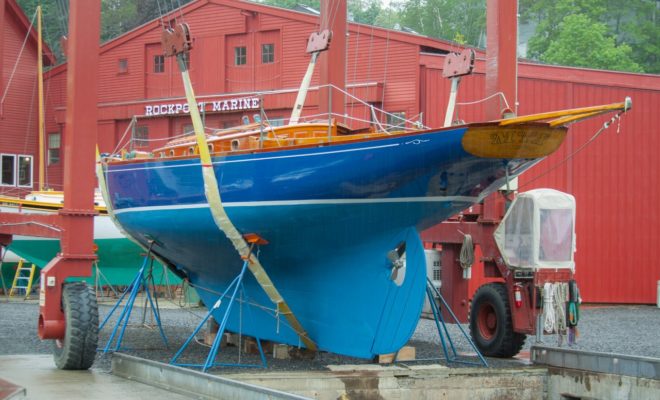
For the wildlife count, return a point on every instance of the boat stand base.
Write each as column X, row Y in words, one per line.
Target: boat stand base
column 236, row 284
column 146, row 283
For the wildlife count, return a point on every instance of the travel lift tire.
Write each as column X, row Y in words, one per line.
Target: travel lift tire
column 491, row 327
column 77, row 350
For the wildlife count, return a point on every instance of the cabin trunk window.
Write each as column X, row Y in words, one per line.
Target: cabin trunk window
column 267, row 53
column 240, row 55
column 159, row 63
column 8, row 169
column 25, row 171
column 54, row 148
column 141, row 136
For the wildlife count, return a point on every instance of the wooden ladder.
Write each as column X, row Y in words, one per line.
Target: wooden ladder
column 23, row 279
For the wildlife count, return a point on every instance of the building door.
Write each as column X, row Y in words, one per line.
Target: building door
column 268, row 60
column 157, row 72
column 239, row 56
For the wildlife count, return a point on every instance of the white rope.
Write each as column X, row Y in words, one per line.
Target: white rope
column 371, row 106
column 555, row 296
column 466, row 258
column 467, row 252
column 119, row 145
column 548, row 309
column 560, row 298
column 467, row 103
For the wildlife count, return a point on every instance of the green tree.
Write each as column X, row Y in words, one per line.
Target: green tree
column 582, row 42
column 369, row 12
column 316, row 4
column 54, row 22
column 447, row 19
column 117, row 17
column 631, row 22
column 549, row 14
column 366, row 11
column 640, row 29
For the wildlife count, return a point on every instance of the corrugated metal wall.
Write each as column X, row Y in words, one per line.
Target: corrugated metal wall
column 616, row 183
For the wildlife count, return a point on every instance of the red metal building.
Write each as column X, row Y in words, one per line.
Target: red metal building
column 241, row 48
column 18, row 98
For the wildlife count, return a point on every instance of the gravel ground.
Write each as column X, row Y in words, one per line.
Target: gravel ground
column 619, row 329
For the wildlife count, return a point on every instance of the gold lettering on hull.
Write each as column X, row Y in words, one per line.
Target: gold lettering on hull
column 524, row 141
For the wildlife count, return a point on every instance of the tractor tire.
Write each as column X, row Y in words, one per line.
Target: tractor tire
column 491, row 326
column 77, row 350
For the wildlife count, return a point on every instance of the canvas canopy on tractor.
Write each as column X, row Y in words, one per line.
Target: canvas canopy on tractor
column 538, row 231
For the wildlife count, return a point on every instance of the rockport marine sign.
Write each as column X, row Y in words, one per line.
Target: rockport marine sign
column 244, row 103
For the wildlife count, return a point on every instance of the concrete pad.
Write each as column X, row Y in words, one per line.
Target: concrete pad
column 42, row 380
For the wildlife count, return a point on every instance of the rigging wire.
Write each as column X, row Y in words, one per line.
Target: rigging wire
column 160, row 14
column 387, row 54
column 615, row 118
column 30, row 118
column 355, row 64
column 371, row 46
column 183, row 20
column 44, row 157
column 18, row 58
column 61, row 17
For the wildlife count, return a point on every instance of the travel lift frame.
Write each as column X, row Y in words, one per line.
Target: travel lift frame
column 75, row 335
column 507, row 309
column 487, row 325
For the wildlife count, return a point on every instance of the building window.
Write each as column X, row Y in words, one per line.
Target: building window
column 240, row 55
column 396, row 121
column 141, row 136
column 187, row 129
column 54, row 140
column 25, row 171
column 159, row 64
column 267, row 53
column 123, row 66
column 8, row 174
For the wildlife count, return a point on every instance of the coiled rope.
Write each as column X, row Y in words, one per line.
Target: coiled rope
column 467, row 252
column 555, row 297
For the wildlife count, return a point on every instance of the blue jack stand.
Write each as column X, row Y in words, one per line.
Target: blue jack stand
column 215, row 348
column 140, row 281
column 444, row 333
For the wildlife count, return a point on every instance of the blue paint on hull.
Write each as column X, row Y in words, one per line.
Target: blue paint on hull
column 331, row 215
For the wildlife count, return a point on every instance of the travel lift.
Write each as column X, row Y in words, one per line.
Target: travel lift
column 528, row 295
column 68, row 312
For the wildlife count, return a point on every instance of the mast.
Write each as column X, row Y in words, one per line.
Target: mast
column 333, row 63
column 501, row 55
column 40, row 80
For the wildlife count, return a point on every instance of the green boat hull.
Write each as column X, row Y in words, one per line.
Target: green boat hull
column 119, row 260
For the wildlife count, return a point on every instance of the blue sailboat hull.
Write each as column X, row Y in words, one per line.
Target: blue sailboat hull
column 330, row 214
